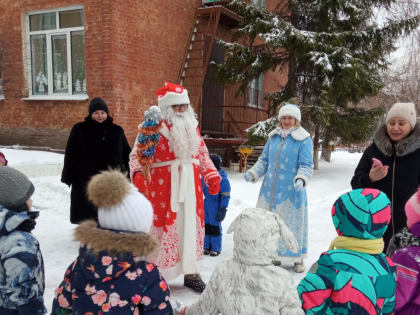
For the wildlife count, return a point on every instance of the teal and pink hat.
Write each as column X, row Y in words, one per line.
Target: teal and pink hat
column 362, row 213
column 412, row 209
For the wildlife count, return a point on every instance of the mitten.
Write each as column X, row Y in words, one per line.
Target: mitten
column 221, row 213
column 249, row 177
column 299, row 183
column 139, row 182
column 214, row 185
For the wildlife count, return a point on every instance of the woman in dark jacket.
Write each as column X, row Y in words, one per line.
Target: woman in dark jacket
column 94, row 145
column 392, row 163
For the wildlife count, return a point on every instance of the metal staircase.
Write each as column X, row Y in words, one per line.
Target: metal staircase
column 198, row 51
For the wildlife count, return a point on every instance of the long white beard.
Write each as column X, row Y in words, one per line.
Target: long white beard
column 183, row 137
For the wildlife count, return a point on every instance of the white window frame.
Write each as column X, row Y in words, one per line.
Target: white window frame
column 258, row 85
column 49, row 33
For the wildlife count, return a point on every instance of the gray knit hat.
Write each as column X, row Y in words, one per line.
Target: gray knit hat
column 15, row 187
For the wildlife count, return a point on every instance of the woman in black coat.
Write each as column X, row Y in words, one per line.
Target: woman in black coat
column 396, row 170
column 94, row 145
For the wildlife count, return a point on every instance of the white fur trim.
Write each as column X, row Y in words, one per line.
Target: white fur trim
column 299, row 134
column 290, row 110
column 164, row 131
column 254, row 175
column 403, row 110
column 302, row 177
column 173, row 98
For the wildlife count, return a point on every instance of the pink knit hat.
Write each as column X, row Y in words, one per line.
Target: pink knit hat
column 412, row 209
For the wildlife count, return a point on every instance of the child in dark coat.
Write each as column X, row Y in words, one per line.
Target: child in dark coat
column 404, row 248
column 111, row 273
column 215, row 207
column 21, row 266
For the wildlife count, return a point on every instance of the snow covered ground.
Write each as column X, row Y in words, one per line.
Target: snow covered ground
column 55, row 232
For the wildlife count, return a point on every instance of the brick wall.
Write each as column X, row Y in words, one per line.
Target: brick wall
column 132, row 47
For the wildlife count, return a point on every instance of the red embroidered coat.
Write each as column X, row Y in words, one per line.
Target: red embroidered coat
column 174, row 189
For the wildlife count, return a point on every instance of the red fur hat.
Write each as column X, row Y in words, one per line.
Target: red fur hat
column 172, row 94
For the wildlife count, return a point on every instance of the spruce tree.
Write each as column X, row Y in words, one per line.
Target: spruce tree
column 334, row 51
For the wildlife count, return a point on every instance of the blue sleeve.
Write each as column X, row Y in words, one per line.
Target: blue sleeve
column 305, row 161
column 24, row 272
column 260, row 168
column 205, row 188
column 224, row 192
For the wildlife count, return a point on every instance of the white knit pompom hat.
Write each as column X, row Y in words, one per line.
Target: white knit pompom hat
column 120, row 206
column 403, row 110
column 290, row 110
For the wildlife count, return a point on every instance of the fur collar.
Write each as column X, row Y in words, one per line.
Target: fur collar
column 403, row 147
column 299, row 134
column 97, row 240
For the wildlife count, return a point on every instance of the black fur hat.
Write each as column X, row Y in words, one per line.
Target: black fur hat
column 97, row 104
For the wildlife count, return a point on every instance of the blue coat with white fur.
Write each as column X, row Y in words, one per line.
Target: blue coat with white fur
column 282, row 162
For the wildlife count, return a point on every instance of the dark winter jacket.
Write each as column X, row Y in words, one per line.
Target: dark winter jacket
column 110, row 276
column 403, row 176
column 21, row 268
column 405, row 251
column 91, row 148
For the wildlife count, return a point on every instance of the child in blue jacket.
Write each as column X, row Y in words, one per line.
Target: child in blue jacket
column 21, row 265
column 215, row 207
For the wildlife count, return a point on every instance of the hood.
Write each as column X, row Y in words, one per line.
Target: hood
column 362, row 213
column 257, row 233
column 10, row 220
column 106, row 254
column 403, row 147
column 114, row 242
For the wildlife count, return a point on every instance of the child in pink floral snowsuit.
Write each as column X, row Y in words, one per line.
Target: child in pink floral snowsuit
column 110, row 273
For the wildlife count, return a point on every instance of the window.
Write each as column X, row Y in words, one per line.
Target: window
column 259, row 3
column 56, row 53
column 255, row 92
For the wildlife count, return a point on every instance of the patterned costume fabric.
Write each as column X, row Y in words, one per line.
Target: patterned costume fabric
column 405, row 250
column 282, row 161
column 21, row 268
column 249, row 283
column 344, row 281
column 212, row 203
column 107, row 277
column 167, row 221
